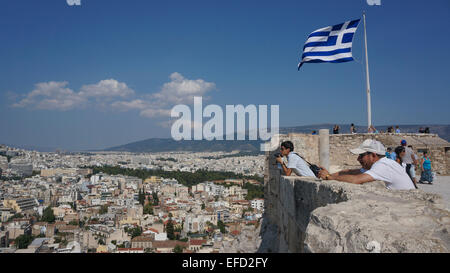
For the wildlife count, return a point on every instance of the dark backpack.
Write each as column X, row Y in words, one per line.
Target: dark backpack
column 314, row 168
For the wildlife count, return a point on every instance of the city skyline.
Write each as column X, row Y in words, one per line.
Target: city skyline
column 97, row 75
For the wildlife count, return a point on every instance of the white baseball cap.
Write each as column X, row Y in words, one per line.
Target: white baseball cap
column 370, row 145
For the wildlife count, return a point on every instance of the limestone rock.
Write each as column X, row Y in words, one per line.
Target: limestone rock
column 329, row 216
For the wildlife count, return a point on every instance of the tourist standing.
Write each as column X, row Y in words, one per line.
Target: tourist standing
column 401, row 152
column 412, row 170
column 352, row 129
column 409, row 159
column 426, row 169
column 372, row 130
column 336, row 129
column 389, row 153
column 397, row 130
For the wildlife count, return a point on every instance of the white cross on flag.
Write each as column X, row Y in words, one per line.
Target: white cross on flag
column 331, row 44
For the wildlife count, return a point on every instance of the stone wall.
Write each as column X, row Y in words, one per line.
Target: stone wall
column 309, row 215
column 340, row 157
column 447, row 157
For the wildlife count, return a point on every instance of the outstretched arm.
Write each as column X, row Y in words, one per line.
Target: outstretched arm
column 349, row 176
column 353, row 172
column 360, row 178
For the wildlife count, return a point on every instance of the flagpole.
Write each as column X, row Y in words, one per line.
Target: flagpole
column 369, row 110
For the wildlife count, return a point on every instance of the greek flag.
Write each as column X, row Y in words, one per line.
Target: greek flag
column 330, row 44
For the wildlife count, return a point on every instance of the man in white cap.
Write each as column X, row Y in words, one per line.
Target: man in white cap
column 371, row 156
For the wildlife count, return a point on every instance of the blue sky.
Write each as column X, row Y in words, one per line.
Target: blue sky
column 111, row 69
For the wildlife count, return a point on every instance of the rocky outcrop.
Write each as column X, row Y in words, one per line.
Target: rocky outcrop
column 247, row 241
column 309, row 215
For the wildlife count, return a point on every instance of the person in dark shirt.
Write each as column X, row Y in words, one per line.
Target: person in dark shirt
column 352, row 129
column 336, row 129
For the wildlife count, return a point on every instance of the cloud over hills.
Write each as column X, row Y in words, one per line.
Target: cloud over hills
column 115, row 96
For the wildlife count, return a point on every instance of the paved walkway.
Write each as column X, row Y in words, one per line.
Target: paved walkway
column 441, row 185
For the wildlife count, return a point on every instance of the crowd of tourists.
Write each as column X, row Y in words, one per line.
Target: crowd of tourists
column 373, row 130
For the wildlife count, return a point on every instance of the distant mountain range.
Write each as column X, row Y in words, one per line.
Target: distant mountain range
column 168, row 145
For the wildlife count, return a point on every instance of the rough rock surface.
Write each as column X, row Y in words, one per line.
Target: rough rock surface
column 307, row 215
column 246, row 242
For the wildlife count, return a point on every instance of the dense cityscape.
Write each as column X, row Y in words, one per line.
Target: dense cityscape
column 113, row 202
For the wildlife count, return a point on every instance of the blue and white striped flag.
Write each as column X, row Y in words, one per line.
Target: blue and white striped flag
column 330, row 44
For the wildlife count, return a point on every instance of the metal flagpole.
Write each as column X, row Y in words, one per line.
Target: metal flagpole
column 369, row 110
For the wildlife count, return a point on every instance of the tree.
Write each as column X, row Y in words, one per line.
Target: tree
column 141, row 197
column 48, row 215
column 134, row 232
column 148, row 209
column 15, row 216
column 74, row 223
column 221, row 226
column 155, row 199
column 203, row 206
column 103, row 209
column 170, row 230
column 178, row 249
column 254, row 191
column 22, row 241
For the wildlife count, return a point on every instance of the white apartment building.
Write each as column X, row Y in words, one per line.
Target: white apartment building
column 257, row 204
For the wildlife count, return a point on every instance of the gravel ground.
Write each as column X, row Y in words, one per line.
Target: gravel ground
column 441, row 185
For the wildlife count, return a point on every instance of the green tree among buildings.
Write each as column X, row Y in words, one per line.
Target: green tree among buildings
column 178, row 249
column 48, row 215
column 22, row 241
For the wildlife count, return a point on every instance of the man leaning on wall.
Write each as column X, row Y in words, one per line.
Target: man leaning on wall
column 295, row 164
column 375, row 166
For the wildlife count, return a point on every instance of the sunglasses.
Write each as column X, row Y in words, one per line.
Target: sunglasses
column 364, row 154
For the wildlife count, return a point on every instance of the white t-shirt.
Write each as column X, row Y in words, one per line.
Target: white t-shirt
column 393, row 174
column 298, row 165
column 407, row 158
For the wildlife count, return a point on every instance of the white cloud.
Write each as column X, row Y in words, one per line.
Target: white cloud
column 181, row 90
column 51, row 96
column 130, row 105
column 153, row 113
column 178, row 91
column 106, row 88
column 56, row 96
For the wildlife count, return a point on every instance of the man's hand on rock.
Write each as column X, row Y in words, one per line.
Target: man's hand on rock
column 323, row 173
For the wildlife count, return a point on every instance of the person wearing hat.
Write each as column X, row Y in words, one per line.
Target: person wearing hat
column 371, row 156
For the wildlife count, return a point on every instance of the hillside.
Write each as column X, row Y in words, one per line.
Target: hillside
column 167, row 144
